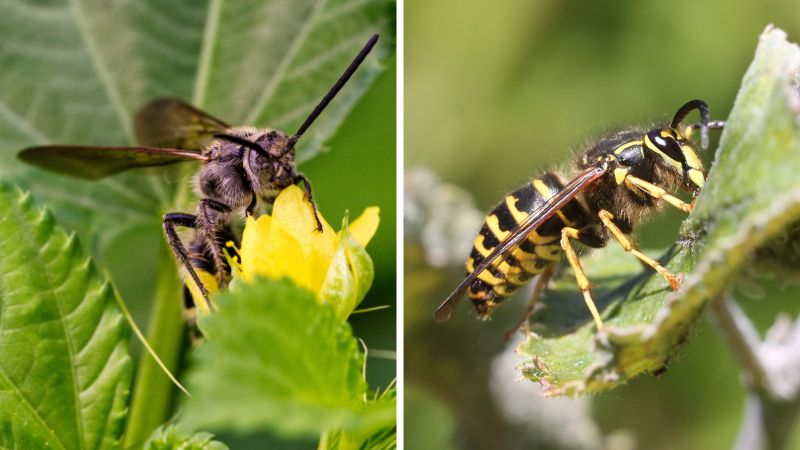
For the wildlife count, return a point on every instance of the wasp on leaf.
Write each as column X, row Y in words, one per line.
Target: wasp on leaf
column 619, row 180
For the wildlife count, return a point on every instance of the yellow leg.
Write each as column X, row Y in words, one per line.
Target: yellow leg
column 538, row 289
column 606, row 217
column 656, row 192
column 568, row 233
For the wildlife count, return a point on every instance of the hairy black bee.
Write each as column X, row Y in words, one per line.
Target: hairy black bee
column 242, row 166
column 619, row 179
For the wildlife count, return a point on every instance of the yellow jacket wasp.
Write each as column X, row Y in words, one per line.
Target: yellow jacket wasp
column 241, row 166
column 620, row 178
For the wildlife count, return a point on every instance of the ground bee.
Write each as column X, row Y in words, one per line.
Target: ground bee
column 620, row 178
column 241, row 166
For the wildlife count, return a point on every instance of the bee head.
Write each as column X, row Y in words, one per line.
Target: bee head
column 272, row 163
column 268, row 161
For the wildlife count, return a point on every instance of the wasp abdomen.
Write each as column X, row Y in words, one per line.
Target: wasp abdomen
column 538, row 252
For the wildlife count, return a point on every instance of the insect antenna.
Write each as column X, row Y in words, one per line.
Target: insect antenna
column 243, row 142
column 333, row 91
column 684, row 111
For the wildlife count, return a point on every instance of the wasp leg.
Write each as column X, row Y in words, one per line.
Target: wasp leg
column 538, row 289
column 656, row 192
column 568, row 233
column 307, row 185
column 607, row 219
column 212, row 213
column 171, row 220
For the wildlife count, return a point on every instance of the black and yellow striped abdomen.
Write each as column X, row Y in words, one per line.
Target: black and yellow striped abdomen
column 538, row 252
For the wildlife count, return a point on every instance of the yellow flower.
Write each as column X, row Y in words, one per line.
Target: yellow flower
column 334, row 266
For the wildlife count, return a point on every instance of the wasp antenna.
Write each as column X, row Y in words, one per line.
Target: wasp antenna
column 334, row 90
column 684, row 111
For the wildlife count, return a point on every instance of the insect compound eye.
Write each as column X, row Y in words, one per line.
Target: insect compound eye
column 667, row 145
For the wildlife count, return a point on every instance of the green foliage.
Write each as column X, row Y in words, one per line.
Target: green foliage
column 752, row 196
column 64, row 366
column 384, row 438
column 275, row 358
column 173, row 437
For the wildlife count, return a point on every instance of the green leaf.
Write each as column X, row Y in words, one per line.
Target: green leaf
column 277, row 359
column 383, row 438
column 64, row 366
column 175, row 437
column 75, row 72
column 349, row 276
column 751, row 198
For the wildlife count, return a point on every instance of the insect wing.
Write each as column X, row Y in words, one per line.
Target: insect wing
column 98, row 162
column 172, row 123
column 518, row 235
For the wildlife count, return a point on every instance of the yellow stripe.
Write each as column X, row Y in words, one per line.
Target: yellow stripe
column 542, row 188
column 549, row 252
column 653, row 147
column 494, row 226
column 546, row 194
column 519, row 216
column 487, row 277
column 622, row 147
column 478, row 244
column 538, row 239
column 564, row 219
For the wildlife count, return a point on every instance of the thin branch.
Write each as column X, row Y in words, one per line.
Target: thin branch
column 742, row 338
column 770, row 367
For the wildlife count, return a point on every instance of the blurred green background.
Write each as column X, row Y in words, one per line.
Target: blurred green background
column 496, row 93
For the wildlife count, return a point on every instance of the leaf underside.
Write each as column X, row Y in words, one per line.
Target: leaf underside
column 64, row 365
column 747, row 214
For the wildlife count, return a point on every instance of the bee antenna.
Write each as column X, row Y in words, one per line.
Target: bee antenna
column 334, row 90
column 684, row 111
column 243, row 142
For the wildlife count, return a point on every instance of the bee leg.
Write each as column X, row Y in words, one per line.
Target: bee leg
column 307, row 185
column 607, row 219
column 659, row 193
column 171, row 220
column 538, row 290
column 568, row 233
column 212, row 213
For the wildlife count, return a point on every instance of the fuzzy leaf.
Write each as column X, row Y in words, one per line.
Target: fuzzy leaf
column 64, row 366
column 275, row 358
column 751, row 197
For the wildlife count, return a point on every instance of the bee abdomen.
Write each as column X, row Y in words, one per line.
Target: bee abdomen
column 541, row 249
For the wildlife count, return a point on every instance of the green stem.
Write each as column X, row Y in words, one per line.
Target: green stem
column 153, row 392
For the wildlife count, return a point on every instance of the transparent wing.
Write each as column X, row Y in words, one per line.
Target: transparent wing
column 97, row 162
column 518, row 235
column 169, row 122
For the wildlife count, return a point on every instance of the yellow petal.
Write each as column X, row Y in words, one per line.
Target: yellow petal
column 283, row 257
column 364, row 227
column 294, row 214
column 254, row 244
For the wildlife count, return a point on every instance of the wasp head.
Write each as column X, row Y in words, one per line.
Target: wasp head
column 675, row 153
